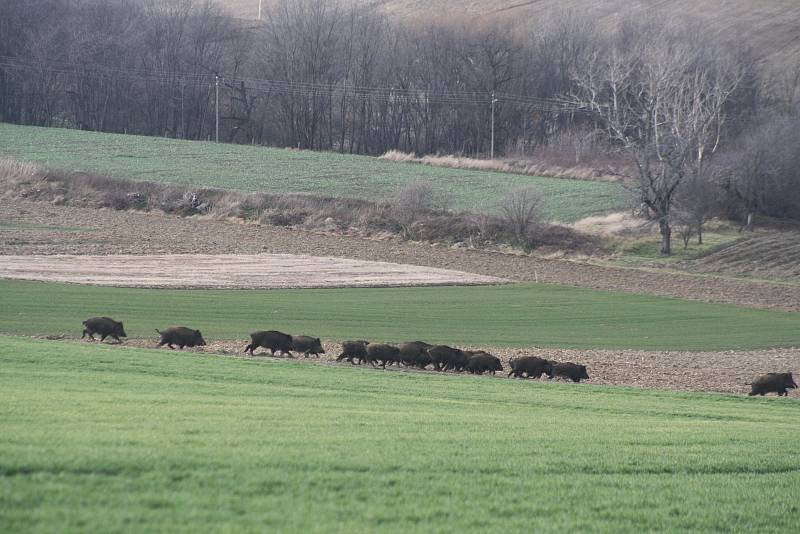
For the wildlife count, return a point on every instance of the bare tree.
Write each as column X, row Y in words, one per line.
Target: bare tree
column 520, row 210
column 696, row 201
column 663, row 103
column 760, row 174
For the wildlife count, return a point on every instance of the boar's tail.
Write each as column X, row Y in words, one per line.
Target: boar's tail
column 159, row 332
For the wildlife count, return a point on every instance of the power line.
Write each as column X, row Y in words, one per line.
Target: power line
column 416, row 96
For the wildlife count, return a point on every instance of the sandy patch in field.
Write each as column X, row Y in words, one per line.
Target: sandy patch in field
column 721, row 372
column 229, row 271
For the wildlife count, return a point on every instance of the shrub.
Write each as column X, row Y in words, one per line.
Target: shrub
column 520, row 210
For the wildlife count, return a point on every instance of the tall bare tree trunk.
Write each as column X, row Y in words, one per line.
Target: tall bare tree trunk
column 666, row 236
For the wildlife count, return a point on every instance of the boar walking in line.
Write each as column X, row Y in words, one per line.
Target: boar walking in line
column 307, row 345
column 181, row 336
column 383, row 354
column 569, row 370
column 773, row 383
column 104, row 327
column 482, row 362
column 271, row 340
column 530, row 367
column 446, row 358
column 353, row 350
column 415, row 354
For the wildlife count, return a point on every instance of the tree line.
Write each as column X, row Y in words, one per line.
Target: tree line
column 684, row 109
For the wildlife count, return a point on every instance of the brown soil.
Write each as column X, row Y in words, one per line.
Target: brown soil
column 229, row 271
column 113, row 232
column 726, row 372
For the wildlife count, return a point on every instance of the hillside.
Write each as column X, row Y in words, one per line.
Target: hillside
column 772, row 27
column 275, row 170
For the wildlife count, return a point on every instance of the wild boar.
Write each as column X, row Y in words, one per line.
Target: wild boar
column 307, row 345
column 772, row 383
column 352, row 350
column 445, row 358
column 382, row 353
column 482, row 362
column 271, row 340
column 570, row 370
column 103, row 326
column 415, row 354
column 530, row 366
column 181, row 336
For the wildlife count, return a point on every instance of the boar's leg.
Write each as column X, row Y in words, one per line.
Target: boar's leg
column 91, row 335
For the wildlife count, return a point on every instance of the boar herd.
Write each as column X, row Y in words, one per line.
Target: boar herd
column 417, row 354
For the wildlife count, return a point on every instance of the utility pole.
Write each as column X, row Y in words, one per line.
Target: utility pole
column 216, row 106
column 259, row 9
column 491, row 153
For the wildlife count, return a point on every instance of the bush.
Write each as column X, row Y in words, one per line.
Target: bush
column 415, row 201
column 520, row 210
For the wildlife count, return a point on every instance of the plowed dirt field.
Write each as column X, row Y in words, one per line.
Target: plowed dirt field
column 35, row 228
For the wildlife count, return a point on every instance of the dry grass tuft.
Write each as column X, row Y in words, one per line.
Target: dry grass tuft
column 613, row 224
column 20, row 171
column 528, row 167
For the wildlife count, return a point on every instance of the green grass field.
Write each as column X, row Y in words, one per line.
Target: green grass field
column 252, row 168
column 510, row 315
column 108, row 439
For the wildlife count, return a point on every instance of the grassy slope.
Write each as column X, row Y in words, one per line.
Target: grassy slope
column 100, row 439
column 251, row 168
column 514, row 315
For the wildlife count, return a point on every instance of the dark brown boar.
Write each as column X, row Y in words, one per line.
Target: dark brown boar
column 570, row 370
column 382, row 353
column 415, row 354
column 773, row 383
column 104, row 327
column 446, row 358
column 307, row 345
column 530, row 367
column 352, row 350
column 482, row 362
column 271, row 340
column 181, row 336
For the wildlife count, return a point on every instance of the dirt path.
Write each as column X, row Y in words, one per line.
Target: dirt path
column 267, row 271
column 91, row 231
column 725, row 372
